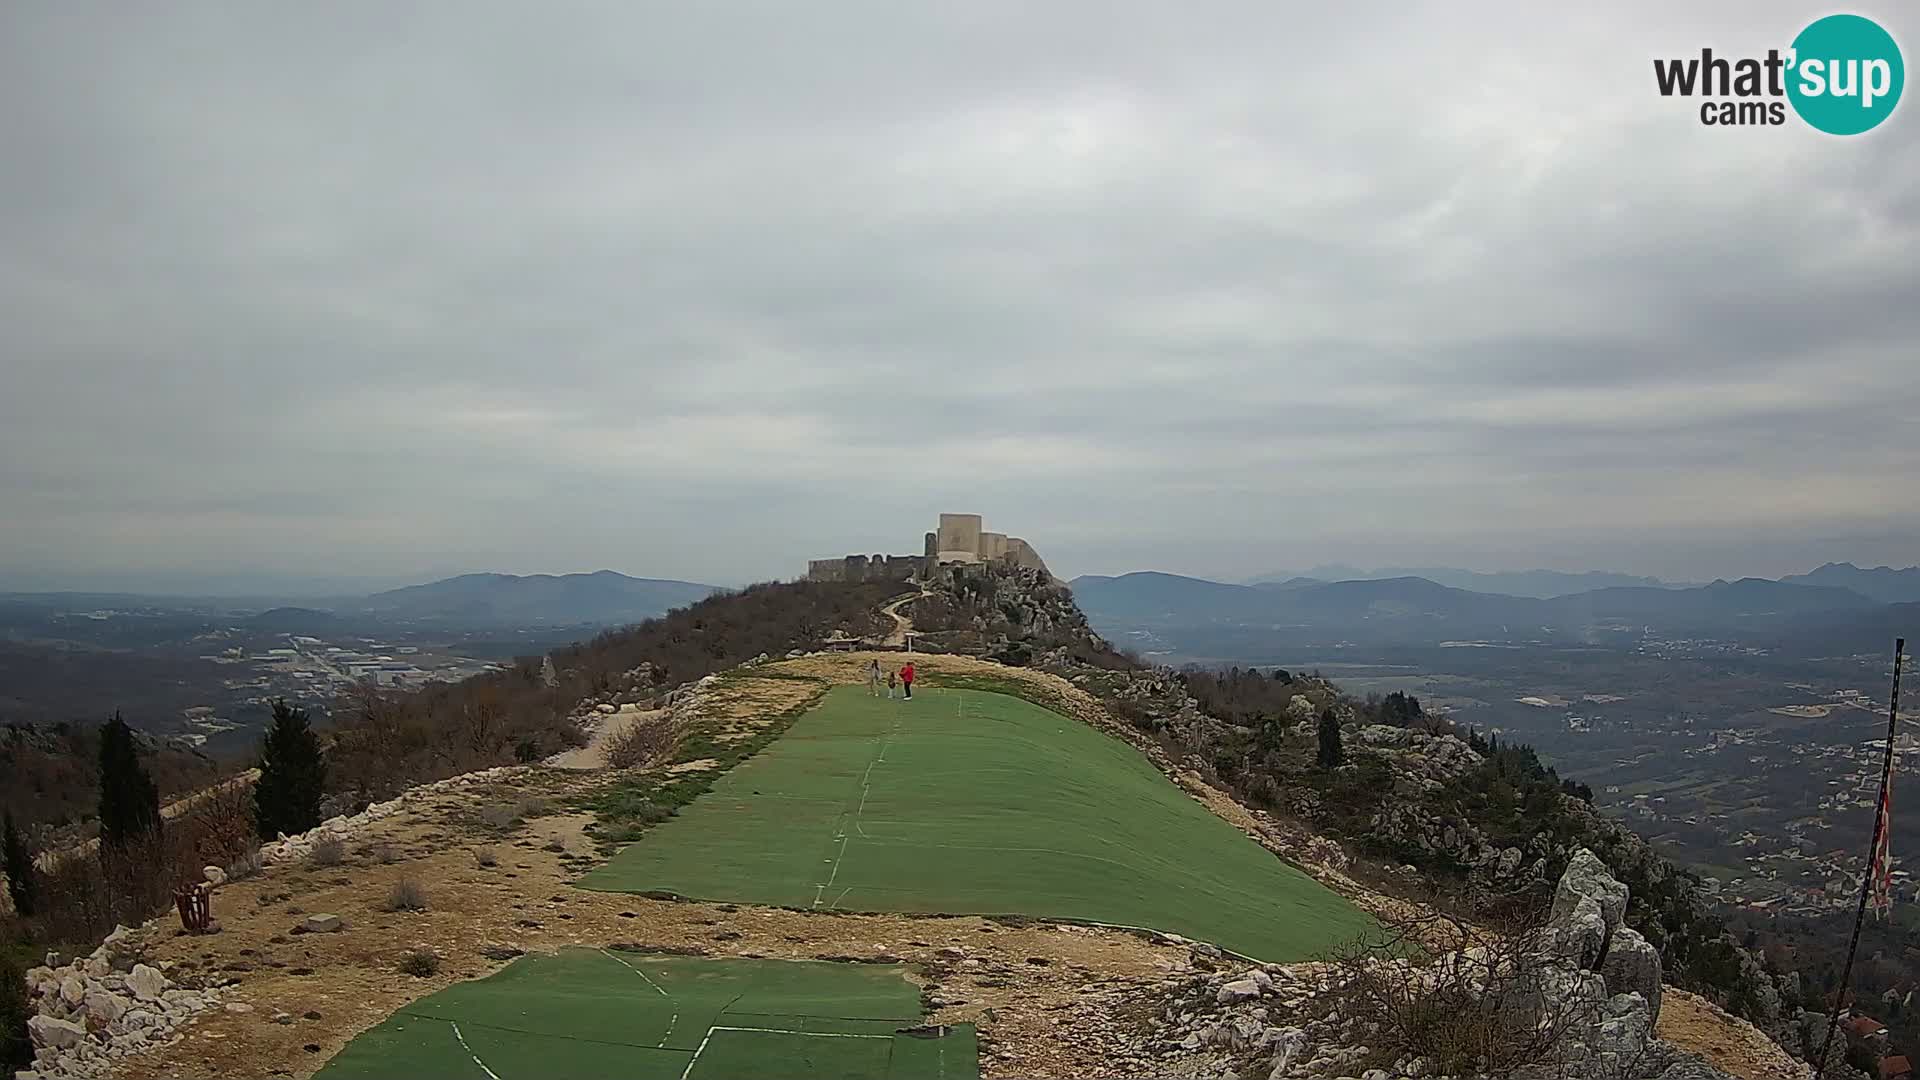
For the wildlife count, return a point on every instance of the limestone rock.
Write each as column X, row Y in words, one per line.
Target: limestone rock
column 47, row 1031
column 1587, row 876
column 1632, row 966
column 106, row 1007
column 146, row 982
column 323, row 924
column 1626, row 1030
column 1237, row 990
column 1580, row 936
column 215, row 876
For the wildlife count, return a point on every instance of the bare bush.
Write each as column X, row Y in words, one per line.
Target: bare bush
column 1467, row 998
column 485, row 857
column 406, row 895
column 248, row 864
column 644, row 742
column 532, row 807
column 327, row 851
column 383, row 852
column 499, row 816
column 420, row 961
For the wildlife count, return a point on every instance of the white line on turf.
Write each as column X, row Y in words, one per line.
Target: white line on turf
column 836, row 862
column 866, row 788
column 675, row 1019
column 708, row 1037
column 470, row 1053
column 697, row 1051
column 808, row 1034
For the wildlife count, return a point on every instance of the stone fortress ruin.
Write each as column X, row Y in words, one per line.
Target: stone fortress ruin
column 959, row 539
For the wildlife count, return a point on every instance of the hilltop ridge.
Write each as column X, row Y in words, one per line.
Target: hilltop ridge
column 1233, row 741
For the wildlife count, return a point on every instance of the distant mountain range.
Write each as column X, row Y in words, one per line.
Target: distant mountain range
column 602, row 598
column 1542, row 584
column 1412, row 607
column 1882, row 583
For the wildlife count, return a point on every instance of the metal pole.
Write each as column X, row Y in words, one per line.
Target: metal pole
column 1873, row 853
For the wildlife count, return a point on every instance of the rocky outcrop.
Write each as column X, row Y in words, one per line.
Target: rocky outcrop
column 343, row 827
column 1587, row 980
column 90, row 1013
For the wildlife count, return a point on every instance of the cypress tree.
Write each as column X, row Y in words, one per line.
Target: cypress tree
column 293, row 775
column 1331, row 752
column 16, row 1043
column 17, row 859
column 129, row 803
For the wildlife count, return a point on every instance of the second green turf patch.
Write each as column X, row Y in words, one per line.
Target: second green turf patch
column 594, row 1013
column 967, row 802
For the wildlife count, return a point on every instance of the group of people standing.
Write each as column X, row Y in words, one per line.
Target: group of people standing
column 895, row 680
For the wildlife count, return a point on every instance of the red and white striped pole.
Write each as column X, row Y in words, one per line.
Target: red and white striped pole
column 1876, row 859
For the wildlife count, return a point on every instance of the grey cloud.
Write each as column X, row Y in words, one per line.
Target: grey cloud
column 366, row 290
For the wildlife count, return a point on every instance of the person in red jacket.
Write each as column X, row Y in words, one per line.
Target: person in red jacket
column 906, row 678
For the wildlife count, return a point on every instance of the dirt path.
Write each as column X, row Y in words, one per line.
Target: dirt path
column 902, row 625
column 594, row 754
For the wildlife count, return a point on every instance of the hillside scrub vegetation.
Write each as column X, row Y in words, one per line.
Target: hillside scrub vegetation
column 385, row 741
column 49, row 773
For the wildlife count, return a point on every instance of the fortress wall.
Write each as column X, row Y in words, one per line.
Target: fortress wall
column 1021, row 553
column 959, row 539
column 862, row 568
column 959, row 532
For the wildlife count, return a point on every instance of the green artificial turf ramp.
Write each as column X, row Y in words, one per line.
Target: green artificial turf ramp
column 587, row 1013
column 968, row 802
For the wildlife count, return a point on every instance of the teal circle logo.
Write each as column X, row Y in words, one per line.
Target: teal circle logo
column 1846, row 74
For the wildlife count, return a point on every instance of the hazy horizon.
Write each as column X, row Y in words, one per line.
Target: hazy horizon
column 319, row 587
column 365, row 294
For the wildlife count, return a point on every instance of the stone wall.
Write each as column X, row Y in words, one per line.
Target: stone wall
column 865, row 568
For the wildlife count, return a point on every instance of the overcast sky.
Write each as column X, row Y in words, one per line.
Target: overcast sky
column 362, row 290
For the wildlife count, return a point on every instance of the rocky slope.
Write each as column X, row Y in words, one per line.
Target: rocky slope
column 1414, row 804
column 1587, row 981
